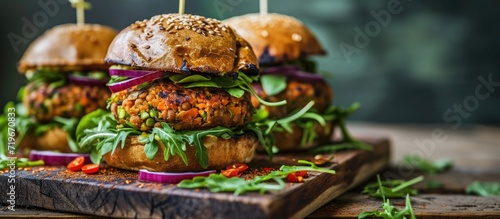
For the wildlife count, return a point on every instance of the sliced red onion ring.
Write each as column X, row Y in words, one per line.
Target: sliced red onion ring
column 129, row 73
column 293, row 72
column 86, row 81
column 164, row 177
column 55, row 158
column 279, row 69
column 122, row 85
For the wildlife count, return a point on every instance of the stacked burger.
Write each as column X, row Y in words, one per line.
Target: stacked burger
column 66, row 79
column 283, row 45
column 181, row 98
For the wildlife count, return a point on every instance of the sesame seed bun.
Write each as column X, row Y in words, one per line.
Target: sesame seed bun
column 276, row 38
column 182, row 44
column 69, row 47
column 52, row 140
column 221, row 152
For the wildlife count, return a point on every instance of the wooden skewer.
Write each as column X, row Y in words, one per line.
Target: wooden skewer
column 80, row 6
column 182, row 6
column 263, row 7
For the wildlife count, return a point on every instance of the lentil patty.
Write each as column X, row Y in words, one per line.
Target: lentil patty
column 297, row 94
column 71, row 100
column 182, row 108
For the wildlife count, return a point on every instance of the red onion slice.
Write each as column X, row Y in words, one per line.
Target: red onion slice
column 165, row 177
column 55, row 158
column 292, row 72
column 279, row 69
column 86, row 81
column 122, row 85
column 129, row 73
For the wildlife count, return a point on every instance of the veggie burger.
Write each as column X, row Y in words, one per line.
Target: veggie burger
column 282, row 44
column 181, row 98
column 66, row 79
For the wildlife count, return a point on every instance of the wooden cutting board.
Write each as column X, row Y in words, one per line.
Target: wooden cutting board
column 118, row 193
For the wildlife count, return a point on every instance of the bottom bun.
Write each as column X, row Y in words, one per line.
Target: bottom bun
column 221, row 152
column 292, row 141
column 54, row 139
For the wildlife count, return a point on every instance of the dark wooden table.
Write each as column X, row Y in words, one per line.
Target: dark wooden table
column 475, row 151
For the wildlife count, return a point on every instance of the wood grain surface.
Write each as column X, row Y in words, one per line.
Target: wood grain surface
column 118, row 193
column 474, row 150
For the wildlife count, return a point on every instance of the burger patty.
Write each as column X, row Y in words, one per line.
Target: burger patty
column 297, row 94
column 71, row 100
column 182, row 108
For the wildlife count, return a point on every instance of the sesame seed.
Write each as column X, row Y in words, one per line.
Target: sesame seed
column 296, row 37
column 198, row 24
column 264, row 33
column 147, row 47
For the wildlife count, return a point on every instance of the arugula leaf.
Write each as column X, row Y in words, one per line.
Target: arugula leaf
column 178, row 78
column 392, row 188
column 3, row 137
column 267, row 126
column 389, row 211
column 202, row 84
column 434, row 184
column 4, row 151
column 115, row 79
column 40, row 76
column 19, row 162
column 97, row 131
column 69, row 126
column 235, row 92
column 341, row 114
column 485, row 189
column 308, row 119
column 219, row 183
column 174, row 143
column 428, row 166
column 90, row 120
column 273, row 84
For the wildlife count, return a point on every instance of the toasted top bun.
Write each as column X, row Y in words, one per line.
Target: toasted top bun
column 69, row 47
column 182, row 44
column 275, row 37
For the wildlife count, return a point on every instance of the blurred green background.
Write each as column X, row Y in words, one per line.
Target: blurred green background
column 418, row 66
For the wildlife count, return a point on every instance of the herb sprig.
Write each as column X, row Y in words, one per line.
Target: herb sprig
column 219, row 183
column 339, row 115
column 388, row 210
column 392, row 188
column 483, row 188
column 428, row 166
